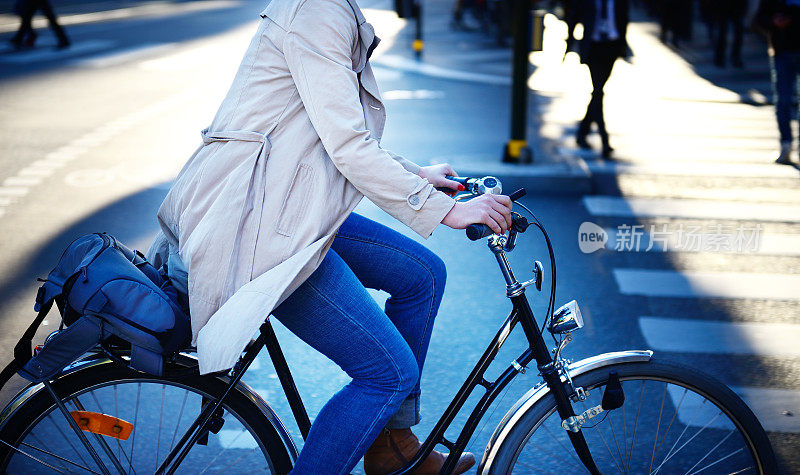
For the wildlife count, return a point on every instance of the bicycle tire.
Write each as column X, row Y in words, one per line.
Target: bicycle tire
column 111, row 377
column 541, row 418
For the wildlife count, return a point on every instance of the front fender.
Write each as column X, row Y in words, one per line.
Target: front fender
column 526, row 402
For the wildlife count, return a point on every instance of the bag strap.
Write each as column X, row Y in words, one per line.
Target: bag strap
column 23, row 351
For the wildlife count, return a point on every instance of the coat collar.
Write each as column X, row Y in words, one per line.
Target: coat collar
column 366, row 33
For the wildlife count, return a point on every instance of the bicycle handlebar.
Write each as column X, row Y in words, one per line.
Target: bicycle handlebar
column 478, row 231
column 481, row 186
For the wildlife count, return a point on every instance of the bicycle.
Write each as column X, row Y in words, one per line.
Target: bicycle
column 669, row 418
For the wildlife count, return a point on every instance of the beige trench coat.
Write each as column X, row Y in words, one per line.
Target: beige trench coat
column 294, row 147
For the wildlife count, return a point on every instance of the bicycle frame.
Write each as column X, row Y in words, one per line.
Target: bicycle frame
column 521, row 313
column 537, row 351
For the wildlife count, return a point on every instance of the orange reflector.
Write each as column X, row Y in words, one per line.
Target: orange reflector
column 103, row 424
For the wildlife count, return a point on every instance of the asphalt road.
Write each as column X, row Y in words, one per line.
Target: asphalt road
column 92, row 136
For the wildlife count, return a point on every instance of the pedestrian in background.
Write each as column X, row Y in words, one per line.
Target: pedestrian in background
column 725, row 14
column 780, row 20
column 26, row 36
column 675, row 17
column 707, row 16
column 605, row 23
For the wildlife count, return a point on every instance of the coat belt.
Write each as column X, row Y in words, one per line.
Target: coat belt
column 235, row 135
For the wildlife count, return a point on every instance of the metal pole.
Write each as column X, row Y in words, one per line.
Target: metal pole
column 418, row 44
column 517, row 150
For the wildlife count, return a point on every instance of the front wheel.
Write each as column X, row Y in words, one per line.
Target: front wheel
column 674, row 420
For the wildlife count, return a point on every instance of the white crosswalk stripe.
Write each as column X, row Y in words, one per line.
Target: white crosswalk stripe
column 741, row 338
column 766, row 244
column 119, row 56
column 733, row 170
column 699, row 284
column 774, row 408
column 49, row 54
column 696, row 209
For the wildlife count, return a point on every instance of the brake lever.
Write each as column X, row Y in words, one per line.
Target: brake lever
column 519, row 224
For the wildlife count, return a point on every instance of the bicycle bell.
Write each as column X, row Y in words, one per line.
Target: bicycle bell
column 566, row 319
column 488, row 185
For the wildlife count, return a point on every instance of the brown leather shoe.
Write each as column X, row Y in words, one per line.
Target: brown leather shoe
column 395, row 447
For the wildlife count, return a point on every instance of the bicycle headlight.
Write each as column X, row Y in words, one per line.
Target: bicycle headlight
column 566, row 319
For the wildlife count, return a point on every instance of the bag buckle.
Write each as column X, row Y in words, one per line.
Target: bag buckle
column 39, row 299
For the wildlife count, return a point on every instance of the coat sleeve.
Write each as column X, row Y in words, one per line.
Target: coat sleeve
column 318, row 48
column 406, row 163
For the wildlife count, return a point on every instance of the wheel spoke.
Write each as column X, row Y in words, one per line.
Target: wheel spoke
column 19, row 451
column 687, row 425
column 566, row 450
column 625, row 441
column 600, row 433
column 135, row 422
column 742, row 470
column 674, row 416
column 160, row 422
column 38, row 441
column 225, row 468
column 671, row 454
column 178, row 424
column 555, row 457
column 658, row 427
column 635, row 424
column 225, row 450
column 67, row 439
column 689, row 472
column 614, row 434
column 63, row 459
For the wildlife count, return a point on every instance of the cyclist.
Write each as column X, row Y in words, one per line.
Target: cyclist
column 253, row 218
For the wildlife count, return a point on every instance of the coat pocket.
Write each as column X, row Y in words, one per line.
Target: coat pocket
column 296, row 200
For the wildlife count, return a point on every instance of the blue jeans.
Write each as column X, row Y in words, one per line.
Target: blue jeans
column 785, row 68
column 383, row 350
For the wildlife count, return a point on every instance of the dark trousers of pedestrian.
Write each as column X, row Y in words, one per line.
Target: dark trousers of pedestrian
column 785, row 69
column 676, row 20
column 27, row 10
column 722, row 41
column 600, row 61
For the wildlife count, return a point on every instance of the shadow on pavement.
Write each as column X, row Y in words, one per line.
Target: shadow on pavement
column 751, row 82
column 131, row 219
column 165, row 28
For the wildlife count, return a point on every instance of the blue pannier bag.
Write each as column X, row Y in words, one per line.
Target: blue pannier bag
column 109, row 294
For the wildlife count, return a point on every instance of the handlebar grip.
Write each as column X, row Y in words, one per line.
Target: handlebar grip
column 458, row 179
column 478, row 231
column 518, row 194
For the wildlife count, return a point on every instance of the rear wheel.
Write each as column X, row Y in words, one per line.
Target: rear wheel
column 674, row 420
column 38, row 439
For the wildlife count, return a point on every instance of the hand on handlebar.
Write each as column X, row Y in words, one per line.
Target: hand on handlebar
column 437, row 176
column 491, row 210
